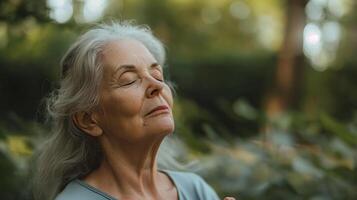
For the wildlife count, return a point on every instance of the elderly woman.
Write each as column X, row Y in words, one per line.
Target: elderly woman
column 109, row 116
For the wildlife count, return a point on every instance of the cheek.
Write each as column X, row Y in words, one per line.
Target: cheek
column 168, row 96
column 125, row 104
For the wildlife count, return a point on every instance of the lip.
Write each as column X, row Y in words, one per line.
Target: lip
column 158, row 108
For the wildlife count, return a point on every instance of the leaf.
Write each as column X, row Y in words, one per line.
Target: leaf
column 338, row 129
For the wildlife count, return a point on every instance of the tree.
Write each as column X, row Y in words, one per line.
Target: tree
column 284, row 93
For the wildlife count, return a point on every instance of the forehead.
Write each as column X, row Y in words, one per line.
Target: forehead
column 126, row 52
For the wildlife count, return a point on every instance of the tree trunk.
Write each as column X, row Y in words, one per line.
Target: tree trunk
column 284, row 93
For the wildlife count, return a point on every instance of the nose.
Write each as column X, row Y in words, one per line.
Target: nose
column 154, row 88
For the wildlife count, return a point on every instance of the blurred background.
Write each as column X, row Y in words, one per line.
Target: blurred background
column 266, row 90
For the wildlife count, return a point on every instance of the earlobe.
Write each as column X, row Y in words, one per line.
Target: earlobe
column 87, row 123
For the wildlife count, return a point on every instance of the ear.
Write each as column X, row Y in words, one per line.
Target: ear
column 87, row 122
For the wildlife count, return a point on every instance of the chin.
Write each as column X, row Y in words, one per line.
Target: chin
column 166, row 128
column 163, row 127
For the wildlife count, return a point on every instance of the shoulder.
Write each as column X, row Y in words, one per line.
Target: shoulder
column 192, row 184
column 76, row 190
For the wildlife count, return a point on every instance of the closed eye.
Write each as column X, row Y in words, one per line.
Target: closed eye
column 161, row 80
column 157, row 74
column 127, row 84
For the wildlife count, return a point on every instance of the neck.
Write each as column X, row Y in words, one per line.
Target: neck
column 129, row 170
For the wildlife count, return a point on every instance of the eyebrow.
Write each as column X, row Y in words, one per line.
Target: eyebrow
column 132, row 67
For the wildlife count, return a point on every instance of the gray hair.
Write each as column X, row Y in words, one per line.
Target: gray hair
column 69, row 153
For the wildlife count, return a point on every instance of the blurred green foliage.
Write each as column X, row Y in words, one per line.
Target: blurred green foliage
column 222, row 70
column 301, row 158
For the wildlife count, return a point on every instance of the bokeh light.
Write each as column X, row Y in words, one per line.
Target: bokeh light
column 93, row 9
column 268, row 32
column 322, row 34
column 314, row 10
column 239, row 10
column 60, row 10
column 331, row 32
column 210, row 15
column 312, row 40
column 338, row 7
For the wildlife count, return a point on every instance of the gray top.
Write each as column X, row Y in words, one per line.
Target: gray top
column 189, row 186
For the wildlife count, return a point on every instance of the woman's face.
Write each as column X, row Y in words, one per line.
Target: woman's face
column 135, row 102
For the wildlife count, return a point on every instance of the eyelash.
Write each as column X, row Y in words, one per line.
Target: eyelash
column 158, row 79
column 129, row 83
column 161, row 80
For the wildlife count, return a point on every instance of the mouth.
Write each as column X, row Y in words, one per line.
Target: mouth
column 161, row 108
